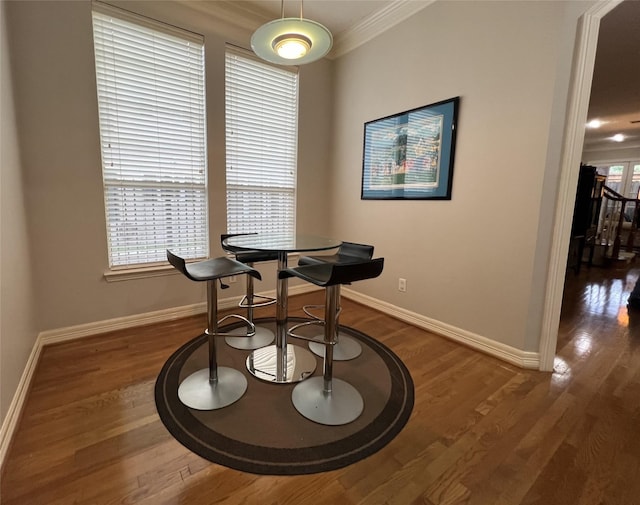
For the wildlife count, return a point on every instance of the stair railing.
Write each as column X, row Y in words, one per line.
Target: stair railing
column 612, row 221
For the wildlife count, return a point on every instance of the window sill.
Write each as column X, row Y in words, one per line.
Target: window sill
column 128, row 274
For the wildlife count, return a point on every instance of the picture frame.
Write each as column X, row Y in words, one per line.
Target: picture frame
column 410, row 155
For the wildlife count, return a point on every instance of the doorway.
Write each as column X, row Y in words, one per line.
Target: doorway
column 571, row 157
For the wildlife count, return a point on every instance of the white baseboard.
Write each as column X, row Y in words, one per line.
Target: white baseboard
column 119, row 323
column 15, row 408
column 522, row 359
column 512, row 355
column 158, row 316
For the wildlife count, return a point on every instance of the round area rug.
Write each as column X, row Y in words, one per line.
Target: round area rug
column 262, row 433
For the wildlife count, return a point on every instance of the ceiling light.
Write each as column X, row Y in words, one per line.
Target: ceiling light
column 594, row 123
column 618, row 137
column 291, row 46
column 291, row 41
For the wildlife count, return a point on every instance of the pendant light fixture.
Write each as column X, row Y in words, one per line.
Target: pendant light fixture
column 291, row 41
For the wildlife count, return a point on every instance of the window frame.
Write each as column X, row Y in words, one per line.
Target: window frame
column 175, row 182
column 257, row 165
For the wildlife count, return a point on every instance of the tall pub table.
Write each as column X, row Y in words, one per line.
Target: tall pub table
column 281, row 363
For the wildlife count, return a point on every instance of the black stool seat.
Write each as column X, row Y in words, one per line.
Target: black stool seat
column 326, row 400
column 256, row 256
column 212, row 269
column 214, row 387
column 349, row 252
column 330, row 274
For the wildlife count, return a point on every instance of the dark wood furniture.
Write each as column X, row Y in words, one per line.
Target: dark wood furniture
column 584, row 228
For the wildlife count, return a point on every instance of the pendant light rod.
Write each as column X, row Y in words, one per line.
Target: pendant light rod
column 301, row 9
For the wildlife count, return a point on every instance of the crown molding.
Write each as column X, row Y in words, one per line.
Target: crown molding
column 621, row 146
column 375, row 24
column 246, row 16
column 242, row 15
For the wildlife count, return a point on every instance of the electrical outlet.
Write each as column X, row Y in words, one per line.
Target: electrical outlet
column 402, row 284
column 233, row 278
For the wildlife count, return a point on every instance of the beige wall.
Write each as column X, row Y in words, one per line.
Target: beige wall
column 479, row 261
column 57, row 108
column 18, row 328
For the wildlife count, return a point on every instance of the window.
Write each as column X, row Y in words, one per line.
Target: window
column 623, row 176
column 261, row 145
column 150, row 80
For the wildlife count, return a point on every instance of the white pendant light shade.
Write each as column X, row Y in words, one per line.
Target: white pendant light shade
column 291, row 41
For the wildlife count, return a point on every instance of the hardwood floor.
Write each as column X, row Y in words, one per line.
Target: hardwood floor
column 482, row 432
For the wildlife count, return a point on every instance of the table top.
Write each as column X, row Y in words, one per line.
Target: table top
column 282, row 243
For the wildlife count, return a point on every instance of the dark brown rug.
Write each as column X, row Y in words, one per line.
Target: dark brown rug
column 262, row 433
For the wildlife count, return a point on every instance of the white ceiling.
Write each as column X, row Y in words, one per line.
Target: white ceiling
column 615, row 95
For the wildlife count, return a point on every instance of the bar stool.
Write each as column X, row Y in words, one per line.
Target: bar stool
column 214, row 387
column 263, row 336
column 349, row 252
column 327, row 400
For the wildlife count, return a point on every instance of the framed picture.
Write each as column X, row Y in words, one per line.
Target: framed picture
column 410, row 155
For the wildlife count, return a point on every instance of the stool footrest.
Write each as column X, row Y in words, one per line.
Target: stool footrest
column 345, row 348
column 239, row 340
column 249, row 324
column 307, row 310
column 244, row 304
column 291, row 332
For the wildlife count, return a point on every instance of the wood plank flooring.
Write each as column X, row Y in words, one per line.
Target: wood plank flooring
column 482, row 432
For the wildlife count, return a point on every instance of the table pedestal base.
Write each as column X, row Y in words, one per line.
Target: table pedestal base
column 300, row 364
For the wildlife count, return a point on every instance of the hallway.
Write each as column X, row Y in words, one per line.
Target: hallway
column 594, row 312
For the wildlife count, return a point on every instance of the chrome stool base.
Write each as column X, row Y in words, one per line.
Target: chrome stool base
column 346, row 348
column 263, row 337
column 199, row 393
column 341, row 406
column 327, row 400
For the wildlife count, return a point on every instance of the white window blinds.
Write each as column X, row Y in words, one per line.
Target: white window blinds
column 261, row 145
column 150, row 80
